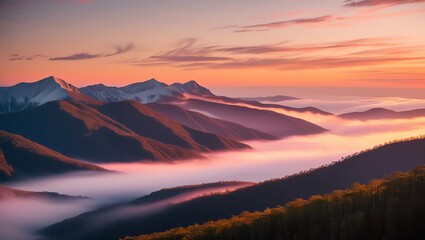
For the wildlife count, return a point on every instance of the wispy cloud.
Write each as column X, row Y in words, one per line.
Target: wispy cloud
column 190, row 50
column 284, row 23
column 17, row 57
column 9, row 19
column 118, row 49
column 368, row 3
column 23, row 3
column 285, row 47
column 284, row 56
column 187, row 50
column 77, row 56
column 325, row 20
column 313, row 63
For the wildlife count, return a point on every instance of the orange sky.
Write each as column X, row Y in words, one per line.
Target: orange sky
column 366, row 43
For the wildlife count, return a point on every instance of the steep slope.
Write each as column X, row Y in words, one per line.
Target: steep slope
column 383, row 113
column 7, row 192
column 270, row 122
column 204, row 123
column 79, row 131
column 391, row 208
column 148, row 123
column 28, row 95
column 120, row 214
column 361, row 167
column 21, row 158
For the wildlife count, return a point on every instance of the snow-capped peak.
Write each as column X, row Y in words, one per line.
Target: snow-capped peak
column 191, row 87
column 62, row 83
column 26, row 95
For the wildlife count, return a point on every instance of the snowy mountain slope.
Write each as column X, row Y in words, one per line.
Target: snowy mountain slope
column 144, row 92
column 28, row 95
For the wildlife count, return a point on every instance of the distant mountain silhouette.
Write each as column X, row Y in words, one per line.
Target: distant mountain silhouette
column 120, row 214
column 21, row 158
column 277, row 98
column 7, row 193
column 270, row 122
column 383, row 113
column 254, row 103
column 148, row 123
column 24, row 96
column 79, row 131
column 205, row 123
column 361, row 167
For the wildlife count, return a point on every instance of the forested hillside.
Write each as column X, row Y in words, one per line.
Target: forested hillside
column 391, row 208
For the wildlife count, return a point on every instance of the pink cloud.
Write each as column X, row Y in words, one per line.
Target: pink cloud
column 367, row 3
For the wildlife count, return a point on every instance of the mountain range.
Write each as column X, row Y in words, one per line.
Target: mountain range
column 24, row 96
column 82, row 131
column 110, row 124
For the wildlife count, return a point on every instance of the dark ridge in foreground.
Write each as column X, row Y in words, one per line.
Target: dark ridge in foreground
column 119, row 215
column 391, row 208
column 361, row 167
column 21, row 159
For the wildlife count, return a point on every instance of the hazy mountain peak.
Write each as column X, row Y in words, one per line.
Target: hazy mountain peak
column 380, row 110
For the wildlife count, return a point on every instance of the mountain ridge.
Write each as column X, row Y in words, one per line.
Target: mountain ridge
column 21, row 159
column 383, row 113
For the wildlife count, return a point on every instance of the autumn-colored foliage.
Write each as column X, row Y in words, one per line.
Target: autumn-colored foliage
column 391, row 208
